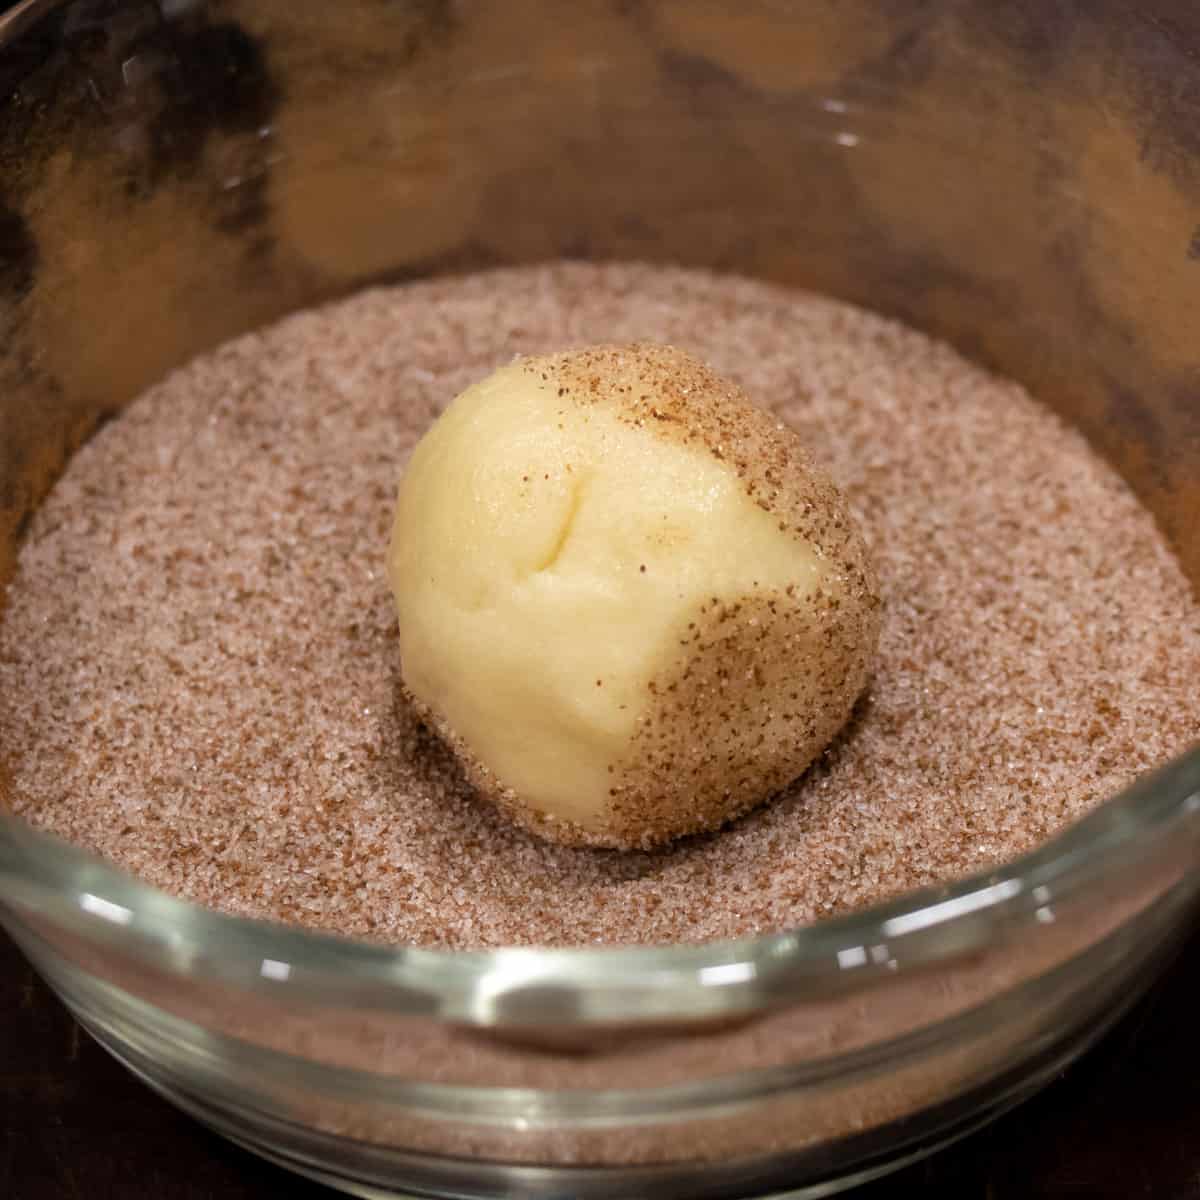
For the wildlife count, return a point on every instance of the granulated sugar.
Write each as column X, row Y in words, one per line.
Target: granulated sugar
column 198, row 665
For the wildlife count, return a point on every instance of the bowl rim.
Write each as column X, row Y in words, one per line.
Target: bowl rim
column 535, row 987
column 22, row 16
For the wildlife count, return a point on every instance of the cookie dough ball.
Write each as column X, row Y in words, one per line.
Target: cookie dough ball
column 626, row 596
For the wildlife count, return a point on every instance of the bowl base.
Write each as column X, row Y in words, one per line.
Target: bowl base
column 385, row 1174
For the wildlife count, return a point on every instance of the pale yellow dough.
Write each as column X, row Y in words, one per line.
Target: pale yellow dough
column 563, row 543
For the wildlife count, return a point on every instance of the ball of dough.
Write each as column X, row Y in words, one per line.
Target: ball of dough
column 626, row 596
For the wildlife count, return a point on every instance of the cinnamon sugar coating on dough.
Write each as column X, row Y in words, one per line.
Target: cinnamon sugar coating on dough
column 698, row 745
column 680, row 398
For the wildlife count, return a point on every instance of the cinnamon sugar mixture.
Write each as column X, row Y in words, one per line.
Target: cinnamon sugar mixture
column 198, row 665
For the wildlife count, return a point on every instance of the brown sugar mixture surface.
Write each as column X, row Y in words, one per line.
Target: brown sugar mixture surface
column 199, row 676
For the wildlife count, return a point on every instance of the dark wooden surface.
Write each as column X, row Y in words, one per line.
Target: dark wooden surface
column 1123, row 1123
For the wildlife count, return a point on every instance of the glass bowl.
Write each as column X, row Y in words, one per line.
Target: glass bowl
column 1021, row 179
